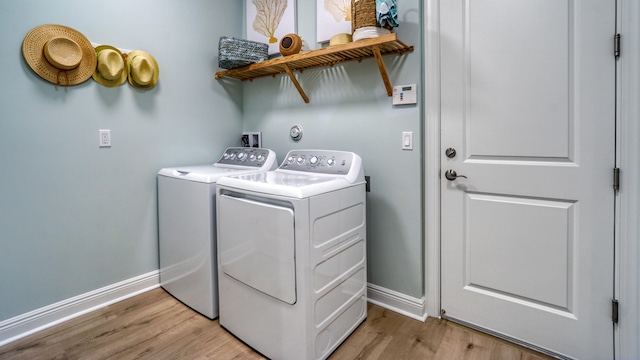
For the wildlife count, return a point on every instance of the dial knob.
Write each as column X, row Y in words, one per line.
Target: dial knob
column 260, row 158
column 242, row 156
column 300, row 160
column 252, row 157
column 331, row 162
column 313, row 160
column 290, row 159
column 225, row 156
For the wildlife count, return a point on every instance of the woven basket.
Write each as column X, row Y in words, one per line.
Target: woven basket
column 233, row 53
column 363, row 14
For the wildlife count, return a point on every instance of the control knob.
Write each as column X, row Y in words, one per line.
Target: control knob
column 300, row 160
column 313, row 160
column 331, row 162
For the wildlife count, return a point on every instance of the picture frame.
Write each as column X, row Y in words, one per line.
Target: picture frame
column 332, row 17
column 282, row 21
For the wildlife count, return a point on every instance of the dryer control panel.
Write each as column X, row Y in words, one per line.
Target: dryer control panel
column 255, row 157
column 319, row 161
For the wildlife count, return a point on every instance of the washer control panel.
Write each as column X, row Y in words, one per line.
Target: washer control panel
column 318, row 161
column 244, row 156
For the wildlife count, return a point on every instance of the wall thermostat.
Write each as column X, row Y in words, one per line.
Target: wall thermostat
column 405, row 94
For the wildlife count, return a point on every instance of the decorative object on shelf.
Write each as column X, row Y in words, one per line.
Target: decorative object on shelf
column 387, row 13
column 233, row 53
column 369, row 32
column 110, row 70
column 142, row 68
column 59, row 54
column 290, row 44
column 328, row 56
column 363, row 14
column 339, row 39
column 332, row 17
column 268, row 20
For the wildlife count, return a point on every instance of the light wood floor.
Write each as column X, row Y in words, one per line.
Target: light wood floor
column 154, row 325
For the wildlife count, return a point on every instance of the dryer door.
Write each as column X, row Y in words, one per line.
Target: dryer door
column 256, row 245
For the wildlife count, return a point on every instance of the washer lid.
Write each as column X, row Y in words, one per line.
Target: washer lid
column 234, row 161
column 287, row 183
column 203, row 173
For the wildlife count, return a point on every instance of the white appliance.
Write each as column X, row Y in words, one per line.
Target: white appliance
column 292, row 254
column 186, row 224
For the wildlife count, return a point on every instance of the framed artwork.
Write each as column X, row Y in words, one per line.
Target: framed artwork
column 269, row 20
column 333, row 17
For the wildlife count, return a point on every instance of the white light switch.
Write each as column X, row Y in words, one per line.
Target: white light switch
column 407, row 140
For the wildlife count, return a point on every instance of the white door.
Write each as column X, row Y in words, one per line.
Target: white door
column 528, row 104
column 256, row 245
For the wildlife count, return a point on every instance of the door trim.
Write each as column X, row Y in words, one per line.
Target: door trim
column 432, row 156
column 627, row 281
column 627, row 269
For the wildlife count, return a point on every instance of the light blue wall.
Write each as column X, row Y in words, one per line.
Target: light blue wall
column 75, row 217
column 349, row 110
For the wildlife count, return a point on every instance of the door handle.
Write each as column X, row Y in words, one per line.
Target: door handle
column 452, row 175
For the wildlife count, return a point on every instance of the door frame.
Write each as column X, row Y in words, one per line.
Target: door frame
column 627, row 227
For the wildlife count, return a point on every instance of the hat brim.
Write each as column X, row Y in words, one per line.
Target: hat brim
column 106, row 82
column 32, row 50
column 156, row 69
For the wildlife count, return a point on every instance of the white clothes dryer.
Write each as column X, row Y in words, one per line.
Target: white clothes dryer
column 292, row 254
column 186, row 224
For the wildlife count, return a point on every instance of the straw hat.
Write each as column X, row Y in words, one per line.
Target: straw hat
column 59, row 54
column 142, row 69
column 110, row 70
column 338, row 39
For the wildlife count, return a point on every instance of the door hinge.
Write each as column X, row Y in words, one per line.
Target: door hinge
column 616, row 46
column 616, row 179
column 614, row 311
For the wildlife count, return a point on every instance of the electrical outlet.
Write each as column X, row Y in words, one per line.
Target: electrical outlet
column 257, row 139
column 105, row 138
column 251, row 139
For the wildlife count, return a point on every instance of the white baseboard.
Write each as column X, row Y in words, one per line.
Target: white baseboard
column 40, row 319
column 398, row 302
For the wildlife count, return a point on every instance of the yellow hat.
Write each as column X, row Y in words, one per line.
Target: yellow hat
column 59, row 54
column 110, row 70
column 338, row 39
column 142, row 69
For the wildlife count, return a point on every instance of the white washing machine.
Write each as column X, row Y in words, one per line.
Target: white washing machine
column 186, row 224
column 292, row 254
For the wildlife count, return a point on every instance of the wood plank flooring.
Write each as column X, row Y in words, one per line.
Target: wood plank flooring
column 154, row 325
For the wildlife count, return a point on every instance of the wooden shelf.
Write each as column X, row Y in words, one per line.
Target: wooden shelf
column 329, row 56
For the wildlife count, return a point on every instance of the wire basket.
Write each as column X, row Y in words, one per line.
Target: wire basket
column 363, row 14
column 233, row 53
